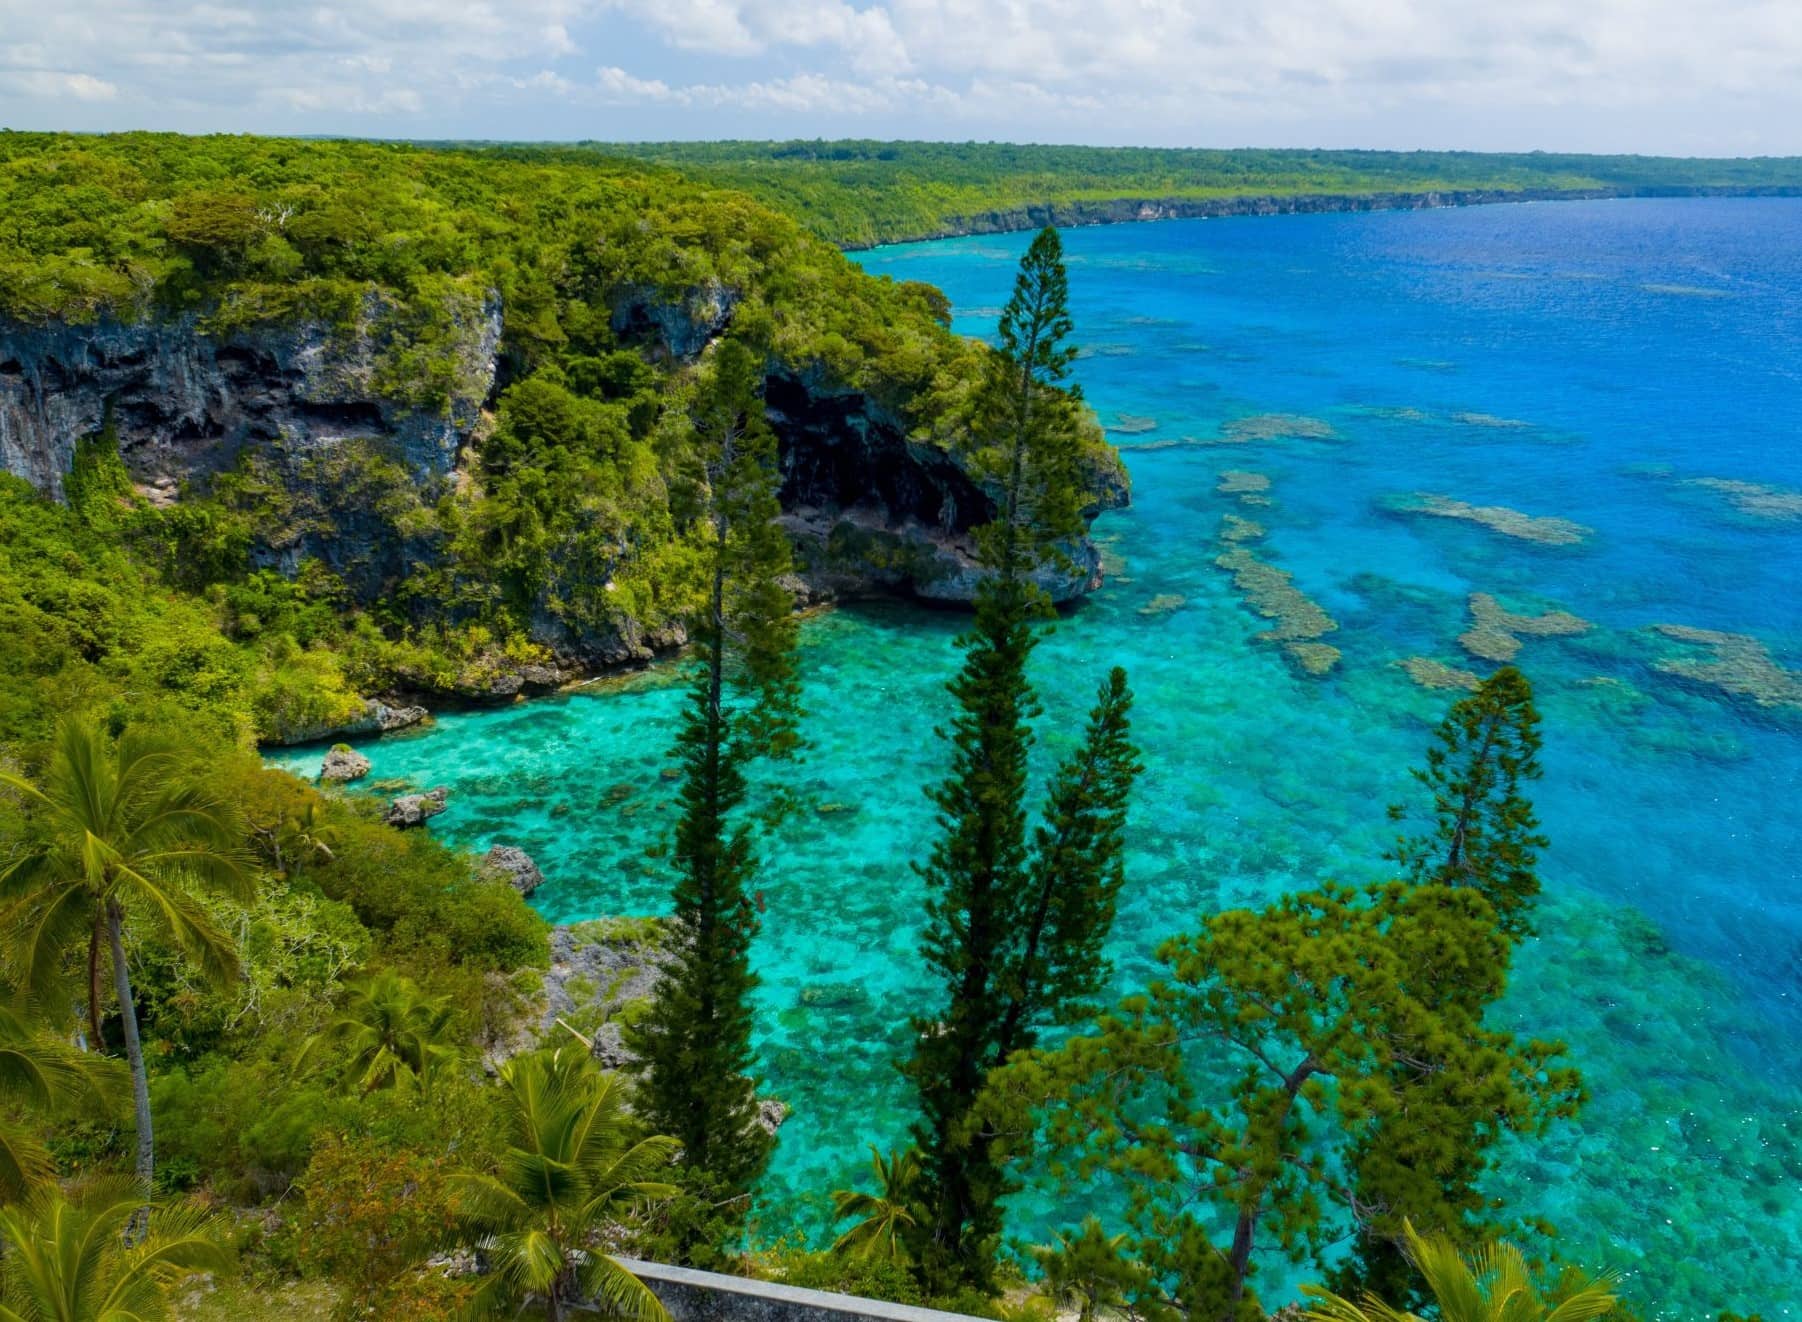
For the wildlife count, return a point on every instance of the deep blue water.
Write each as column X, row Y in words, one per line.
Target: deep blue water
column 1586, row 362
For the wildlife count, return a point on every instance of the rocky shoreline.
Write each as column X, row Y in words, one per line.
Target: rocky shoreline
column 1133, row 210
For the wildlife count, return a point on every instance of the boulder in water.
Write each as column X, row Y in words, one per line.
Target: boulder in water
column 343, row 763
column 413, row 809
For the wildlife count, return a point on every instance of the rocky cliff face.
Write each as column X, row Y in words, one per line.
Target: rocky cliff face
column 185, row 404
column 328, row 428
column 873, row 510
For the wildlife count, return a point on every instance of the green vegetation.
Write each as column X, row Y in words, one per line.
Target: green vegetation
column 860, row 192
column 308, row 1005
column 1492, row 1285
column 78, row 1257
column 1014, row 934
column 694, row 1043
column 114, row 829
column 561, row 521
column 1323, row 1059
column 573, row 1168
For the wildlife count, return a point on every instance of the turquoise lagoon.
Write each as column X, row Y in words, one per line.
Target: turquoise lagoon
column 1634, row 368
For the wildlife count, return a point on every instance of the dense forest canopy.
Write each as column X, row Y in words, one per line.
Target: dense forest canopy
column 860, row 192
column 572, row 477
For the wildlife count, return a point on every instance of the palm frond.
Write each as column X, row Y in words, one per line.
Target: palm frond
column 618, row 1291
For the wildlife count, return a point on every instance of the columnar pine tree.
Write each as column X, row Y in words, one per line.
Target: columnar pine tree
column 1423, row 1162
column 1014, row 929
column 1484, row 832
column 694, row 1045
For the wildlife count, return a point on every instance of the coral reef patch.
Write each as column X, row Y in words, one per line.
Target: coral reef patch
column 1738, row 665
column 1276, row 427
column 1496, row 633
column 1245, row 487
column 1431, row 674
column 1546, row 531
column 1300, row 622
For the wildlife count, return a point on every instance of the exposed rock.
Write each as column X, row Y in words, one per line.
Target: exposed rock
column 1124, row 210
column 771, row 1113
column 678, row 329
column 597, row 970
column 350, row 464
column 413, row 809
column 540, row 679
column 374, row 718
column 343, row 763
column 875, row 509
column 389, row 719
column 185, row 404
column 515, row 866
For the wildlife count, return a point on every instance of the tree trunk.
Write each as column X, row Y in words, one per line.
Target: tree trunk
column 134, row 1055
column 96, row 1042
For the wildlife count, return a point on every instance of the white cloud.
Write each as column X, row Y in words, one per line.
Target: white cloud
column 1649, row 74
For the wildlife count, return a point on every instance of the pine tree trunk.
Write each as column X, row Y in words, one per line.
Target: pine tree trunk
column 134, row 1055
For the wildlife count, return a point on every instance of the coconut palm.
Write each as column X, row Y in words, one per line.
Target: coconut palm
column 386, row 1034
column 119, row 830
column 67, row 1257
column 570, row 1170
column 1493, row 1284
column 49, row 1078
column 884, row 1218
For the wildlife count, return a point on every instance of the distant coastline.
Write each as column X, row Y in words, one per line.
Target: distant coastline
column 1139, row 210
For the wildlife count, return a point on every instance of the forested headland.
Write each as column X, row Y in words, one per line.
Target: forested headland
column 858, row 193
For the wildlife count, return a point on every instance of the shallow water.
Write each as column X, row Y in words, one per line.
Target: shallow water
column 1576, row 361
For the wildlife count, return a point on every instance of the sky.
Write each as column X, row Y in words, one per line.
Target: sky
column 1681, row 77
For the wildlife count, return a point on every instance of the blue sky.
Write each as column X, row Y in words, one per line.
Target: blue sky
column 1693, row 77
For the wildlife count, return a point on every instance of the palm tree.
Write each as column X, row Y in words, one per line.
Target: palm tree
column 1492, row 1285
column 68, row 1257
column 49, row 1078
column 571, row 1168
column 120, row 829
column 886, row 1217
column 387, row 1033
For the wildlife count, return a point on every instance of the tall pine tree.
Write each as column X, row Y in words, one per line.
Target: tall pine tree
column 1423, row 1161
column 694, row 1045
column 1015, row 929
column 1484, row 832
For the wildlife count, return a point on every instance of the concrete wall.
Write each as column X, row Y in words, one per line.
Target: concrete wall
column 695, row 1296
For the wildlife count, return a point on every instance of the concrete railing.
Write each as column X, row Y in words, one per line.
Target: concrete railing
column 694, row 1296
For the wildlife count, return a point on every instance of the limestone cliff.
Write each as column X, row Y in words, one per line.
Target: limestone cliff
column 353, row 458
column 185, row 404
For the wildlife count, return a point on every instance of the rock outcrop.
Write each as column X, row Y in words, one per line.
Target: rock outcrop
column 513, row 865
column 873, row 509
column 415, row 809
column 343, row 764
column 184, row 403
column 374, row 718
column 349, row 461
